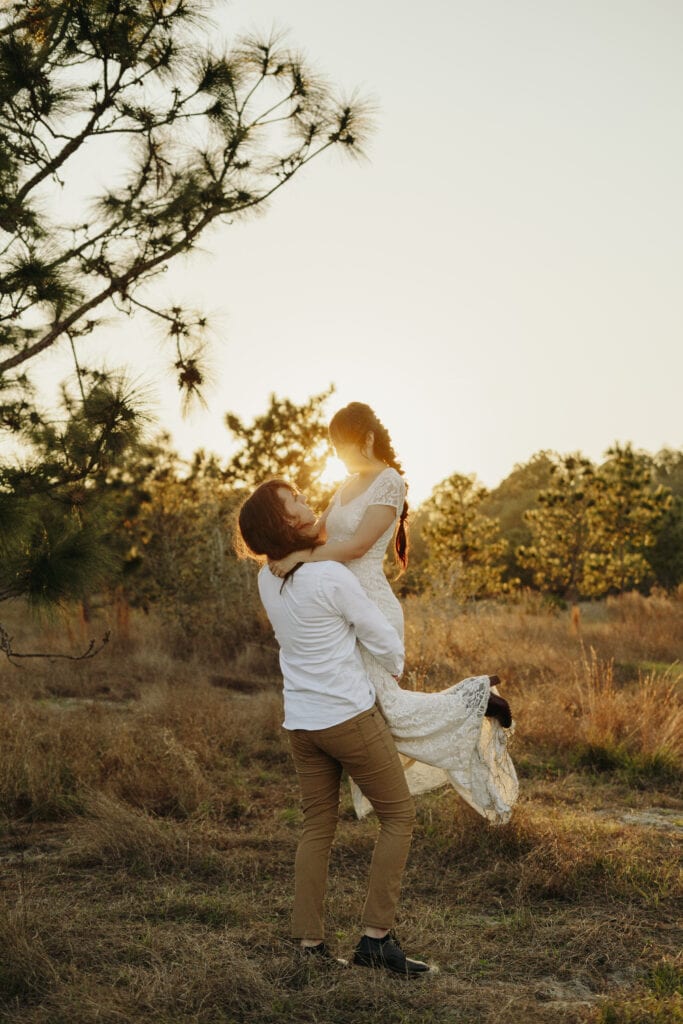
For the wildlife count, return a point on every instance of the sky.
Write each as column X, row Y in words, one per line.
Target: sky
column 502, row 274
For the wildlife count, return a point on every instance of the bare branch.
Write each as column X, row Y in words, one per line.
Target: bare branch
column 91, row 651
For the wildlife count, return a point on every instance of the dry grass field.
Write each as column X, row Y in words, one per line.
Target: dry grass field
column 150, row 817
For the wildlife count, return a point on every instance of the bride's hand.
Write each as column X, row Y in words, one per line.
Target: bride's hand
column 283, row 565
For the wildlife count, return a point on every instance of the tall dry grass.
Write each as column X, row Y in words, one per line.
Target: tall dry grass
column 603, row 692
column 174, row 752
column 592, row 721
column 166, row 737
column 151, row 820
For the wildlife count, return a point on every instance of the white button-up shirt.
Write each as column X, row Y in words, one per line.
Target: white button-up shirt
column 318, row 616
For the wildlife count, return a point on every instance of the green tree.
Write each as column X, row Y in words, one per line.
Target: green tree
column 562, row 527
column 627, row 517
column 510, row 500
column 186, row 134
column 594, row 526
column 56, row 515
column 666, row 554
column 182, row 562
column 289, row 441
column 466, row 550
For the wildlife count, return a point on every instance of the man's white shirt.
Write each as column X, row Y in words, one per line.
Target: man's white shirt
column 318, row 616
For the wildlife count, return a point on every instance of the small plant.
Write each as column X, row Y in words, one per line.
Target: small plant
column 666, row 979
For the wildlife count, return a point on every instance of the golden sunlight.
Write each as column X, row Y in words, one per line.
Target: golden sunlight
column 334, row 471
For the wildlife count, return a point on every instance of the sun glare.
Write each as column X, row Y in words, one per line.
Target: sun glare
column 334, row 471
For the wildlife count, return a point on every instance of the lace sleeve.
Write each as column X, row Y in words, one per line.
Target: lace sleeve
column 388, row 489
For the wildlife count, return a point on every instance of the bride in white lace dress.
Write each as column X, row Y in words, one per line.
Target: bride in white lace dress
column 448, row 736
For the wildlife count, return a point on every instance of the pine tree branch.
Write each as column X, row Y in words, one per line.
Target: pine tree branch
column 119, row 285
column 72, row 146
column 110, row 93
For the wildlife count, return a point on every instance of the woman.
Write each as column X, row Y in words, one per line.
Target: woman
column 457, row 735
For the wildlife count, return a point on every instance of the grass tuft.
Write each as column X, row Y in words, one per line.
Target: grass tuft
column 666, row 979
column 645, row 1010
column 27, row 971
column 112, row 835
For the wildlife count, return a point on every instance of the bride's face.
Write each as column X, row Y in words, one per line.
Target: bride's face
column 351, row 454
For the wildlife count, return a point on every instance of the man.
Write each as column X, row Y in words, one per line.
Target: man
column 318, row 613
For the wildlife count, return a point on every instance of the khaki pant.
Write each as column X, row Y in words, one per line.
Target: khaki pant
column 364, row 747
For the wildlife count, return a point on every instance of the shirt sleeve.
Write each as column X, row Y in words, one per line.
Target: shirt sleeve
column 347, row 597
column 389, row 489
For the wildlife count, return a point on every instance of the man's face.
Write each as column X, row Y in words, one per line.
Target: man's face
column 297, row 511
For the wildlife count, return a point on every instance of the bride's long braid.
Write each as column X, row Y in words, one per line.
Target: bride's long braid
column 353, row 422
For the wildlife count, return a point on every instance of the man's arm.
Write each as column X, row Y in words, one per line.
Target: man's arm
column 371, row 627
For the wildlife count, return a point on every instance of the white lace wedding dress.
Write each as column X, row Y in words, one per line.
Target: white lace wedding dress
column 444, row 737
